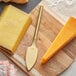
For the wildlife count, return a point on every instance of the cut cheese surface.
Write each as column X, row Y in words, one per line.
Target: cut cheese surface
column 67, row 33
column 13, row 24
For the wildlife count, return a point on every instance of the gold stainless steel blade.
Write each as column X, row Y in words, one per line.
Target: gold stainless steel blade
column 32, row 51
column 31, row 56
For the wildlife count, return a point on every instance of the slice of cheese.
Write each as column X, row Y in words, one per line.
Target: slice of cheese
column 13, row 25
column 67, row 33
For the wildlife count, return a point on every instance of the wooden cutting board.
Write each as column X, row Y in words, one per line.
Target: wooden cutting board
column 49, row 29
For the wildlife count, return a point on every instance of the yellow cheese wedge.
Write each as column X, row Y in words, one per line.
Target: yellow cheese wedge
column 13, row 25
column 19, row 1
column 67, row 33
column 15, row 1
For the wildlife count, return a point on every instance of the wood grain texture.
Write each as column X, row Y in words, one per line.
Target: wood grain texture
column 49, row 29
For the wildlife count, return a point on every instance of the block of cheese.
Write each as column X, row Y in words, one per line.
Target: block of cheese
column 16, row 1
column 67, row 33
column 13, row 25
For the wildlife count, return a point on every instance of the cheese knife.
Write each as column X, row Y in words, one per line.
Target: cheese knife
column 32, row 51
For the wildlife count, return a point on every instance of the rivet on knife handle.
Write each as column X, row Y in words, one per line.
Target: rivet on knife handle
column 32, row 51
column 67, row 33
